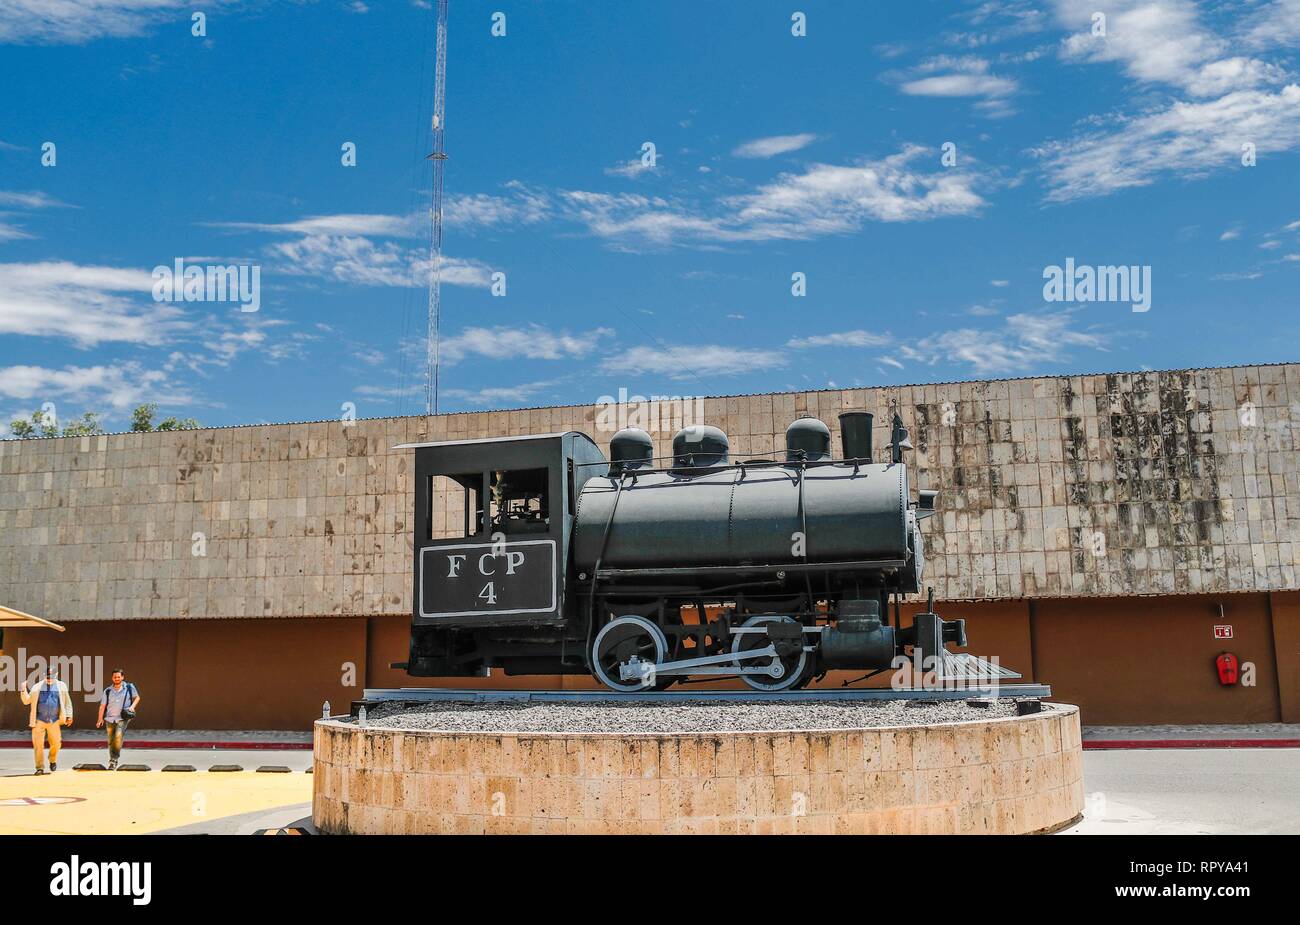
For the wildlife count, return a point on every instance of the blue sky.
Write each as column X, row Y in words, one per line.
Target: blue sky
column 777, row 154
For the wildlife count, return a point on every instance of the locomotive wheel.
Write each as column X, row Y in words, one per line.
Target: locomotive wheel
column 621, row 639
column 796, row 674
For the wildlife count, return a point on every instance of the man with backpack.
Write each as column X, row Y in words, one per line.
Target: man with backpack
column 51, row 709
column 117, row 709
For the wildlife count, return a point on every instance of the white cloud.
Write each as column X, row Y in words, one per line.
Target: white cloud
column 630, row 170
column 1235, row 277
column 340, row 247
column 1186, row 139
column 529, row 342
column 827, row 199
column 1000, row 283
column 1024, row 343
column 962, row 76
column 1270, row 24
column 365, row 262
column 384, row 226
column 1230, row 97
column 87, row 304
column 996, row 21
column 499, row 395
column 822, row 199
column 959, row 85
column 12, row 231
column 30, row 200
column 774, row 145
column 76, row 22
column 119, row 386
column 841, row 339
column 634, row 218
column 688, row 361
column 521, row 206
column 819, row 200
column 1228, row 74
column 1156, row 41
column 1165, row 42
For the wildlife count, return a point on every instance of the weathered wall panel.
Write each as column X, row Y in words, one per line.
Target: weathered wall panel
column 1125, row 484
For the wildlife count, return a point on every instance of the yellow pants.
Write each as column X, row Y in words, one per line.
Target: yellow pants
column 39, row 732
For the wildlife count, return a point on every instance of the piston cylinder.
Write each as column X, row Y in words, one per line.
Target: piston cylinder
column 859, row 639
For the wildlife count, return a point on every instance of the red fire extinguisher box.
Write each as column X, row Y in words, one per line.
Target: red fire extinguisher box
column 1226, row 665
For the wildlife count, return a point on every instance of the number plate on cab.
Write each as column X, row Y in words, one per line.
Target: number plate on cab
column 487, row 578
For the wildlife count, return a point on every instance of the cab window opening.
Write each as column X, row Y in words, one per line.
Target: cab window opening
column 455, row 508
column 520, row 501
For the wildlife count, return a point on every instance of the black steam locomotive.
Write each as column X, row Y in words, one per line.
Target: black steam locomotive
column 537, row 555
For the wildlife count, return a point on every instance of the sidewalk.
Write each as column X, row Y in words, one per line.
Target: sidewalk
column 173, row 738
column 1257, row 735
column 1260, row 735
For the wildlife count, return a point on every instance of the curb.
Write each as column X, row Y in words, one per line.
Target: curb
column 171, row 743
column 189, row 768
column 1107, row 744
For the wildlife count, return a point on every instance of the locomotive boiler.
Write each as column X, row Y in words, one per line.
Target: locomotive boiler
column 537, row 555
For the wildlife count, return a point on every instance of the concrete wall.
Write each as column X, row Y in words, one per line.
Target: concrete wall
column 1127, row 484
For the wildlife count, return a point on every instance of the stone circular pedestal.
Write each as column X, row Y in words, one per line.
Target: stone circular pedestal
column 1009, row 775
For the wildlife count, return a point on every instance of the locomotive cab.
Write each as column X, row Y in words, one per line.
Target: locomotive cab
column 490, row 537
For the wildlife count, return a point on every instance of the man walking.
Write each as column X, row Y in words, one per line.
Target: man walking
column 51, row 709
column 117, row 709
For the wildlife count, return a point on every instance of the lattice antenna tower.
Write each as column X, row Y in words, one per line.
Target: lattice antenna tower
column 439, row 158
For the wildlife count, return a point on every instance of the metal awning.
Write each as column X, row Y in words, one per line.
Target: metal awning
column 11, row 617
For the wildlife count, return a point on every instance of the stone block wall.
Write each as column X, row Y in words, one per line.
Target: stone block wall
column 1122, row 484
column 991, row 777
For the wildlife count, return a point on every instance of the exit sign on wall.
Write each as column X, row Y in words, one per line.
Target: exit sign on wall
column 1223, row 632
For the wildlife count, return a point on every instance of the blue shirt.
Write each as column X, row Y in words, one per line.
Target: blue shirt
column 47, row 705
column 115, row 701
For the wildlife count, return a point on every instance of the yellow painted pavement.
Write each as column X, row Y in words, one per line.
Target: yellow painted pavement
column 138, row 802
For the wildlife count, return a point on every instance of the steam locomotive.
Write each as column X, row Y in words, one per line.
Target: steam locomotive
column 537, row 555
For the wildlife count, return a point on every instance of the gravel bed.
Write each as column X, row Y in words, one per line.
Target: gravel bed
column 677, row 717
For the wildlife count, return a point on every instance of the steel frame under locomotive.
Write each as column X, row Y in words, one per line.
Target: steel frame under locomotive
column 644, row 574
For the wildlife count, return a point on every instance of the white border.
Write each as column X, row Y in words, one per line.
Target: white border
column 486, row 613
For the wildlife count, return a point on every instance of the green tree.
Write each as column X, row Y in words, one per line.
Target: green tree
column 87, row 425
column 142, row 421
column 142, row 418
column 38, row 426
column 143, row 415
column 41, row 426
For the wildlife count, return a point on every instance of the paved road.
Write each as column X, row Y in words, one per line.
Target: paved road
column 1206, row 791
column 127, row 802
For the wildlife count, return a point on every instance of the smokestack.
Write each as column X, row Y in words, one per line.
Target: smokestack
column 855, row 435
